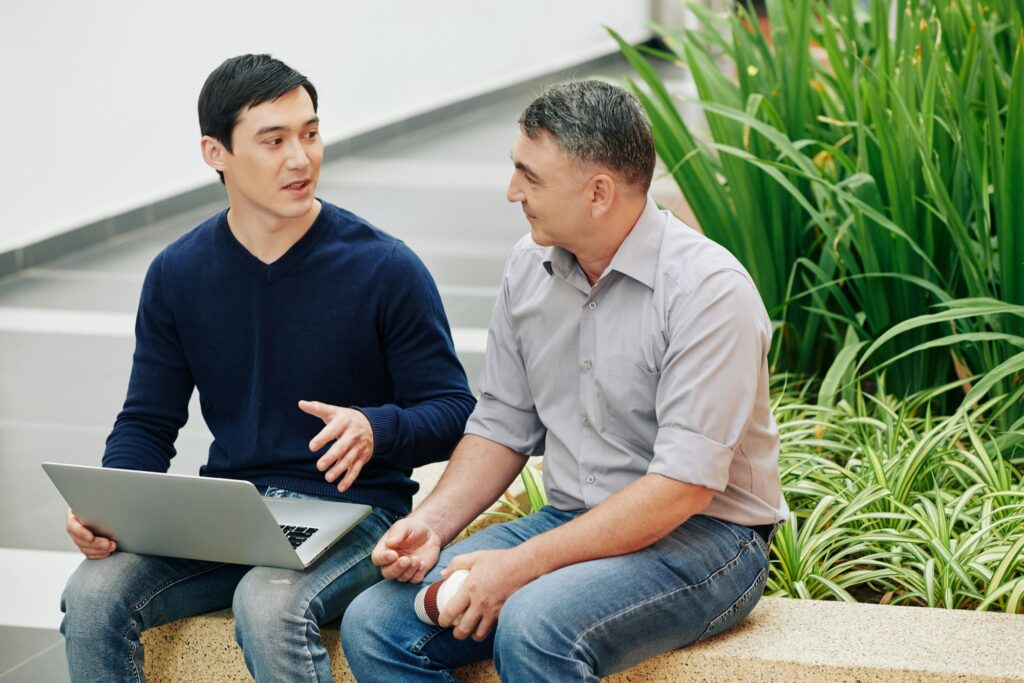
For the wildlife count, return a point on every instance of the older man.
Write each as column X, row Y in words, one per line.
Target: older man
column 630, row 351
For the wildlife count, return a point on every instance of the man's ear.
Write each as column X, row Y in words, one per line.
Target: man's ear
column 602, row 194
column 213, row 152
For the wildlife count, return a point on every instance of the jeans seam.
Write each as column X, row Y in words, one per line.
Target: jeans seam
column 418, row 647
column 320, row 589
column 761, row 574
column 131, row 661
column 145, row 601
column 317, row 591
column 688, row 587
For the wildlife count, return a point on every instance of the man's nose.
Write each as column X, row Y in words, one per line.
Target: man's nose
column 514, row 193
column 297, row 157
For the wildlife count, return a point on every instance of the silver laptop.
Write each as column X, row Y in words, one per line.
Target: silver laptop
column 202, row 518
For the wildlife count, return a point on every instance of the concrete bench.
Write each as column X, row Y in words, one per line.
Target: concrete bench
column 782, row 640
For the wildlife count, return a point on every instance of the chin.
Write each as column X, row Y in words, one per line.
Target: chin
column 539, row 238
column 297, row 209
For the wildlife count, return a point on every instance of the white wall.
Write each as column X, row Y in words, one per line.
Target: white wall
column 98, row 104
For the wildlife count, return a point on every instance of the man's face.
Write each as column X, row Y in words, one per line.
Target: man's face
column 274, row 165
column 551, row 189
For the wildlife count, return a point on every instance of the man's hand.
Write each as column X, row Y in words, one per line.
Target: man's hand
column 494, row 575
column 407, row 551
column 92, row 546
column 353, row 441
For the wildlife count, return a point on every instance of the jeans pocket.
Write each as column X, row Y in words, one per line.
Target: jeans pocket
column 738, row 611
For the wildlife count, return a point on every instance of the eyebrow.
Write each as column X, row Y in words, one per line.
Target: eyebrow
column 276, row 129
column 523, row 167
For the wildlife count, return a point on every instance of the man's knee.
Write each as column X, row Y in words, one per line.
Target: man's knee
column 265, row 601
column 363, row 619
column 379, row 620
column 529, row 623
column 95, row 596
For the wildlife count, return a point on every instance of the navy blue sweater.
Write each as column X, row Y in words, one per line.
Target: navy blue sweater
column 348, row 316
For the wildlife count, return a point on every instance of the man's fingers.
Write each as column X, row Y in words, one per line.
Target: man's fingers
column 339, row 457
column 399, row 534
column 468, row 621
column 483, row 629
column 410, row 571
column 96, row 550
column 76, row 529
column 96, row 554
column 418, row 577
column 97, row 543
column 331, row 431
column 316, row 409
column 383, row 556
column 393, row 570
column 458, row 604
column 78, row 532
column 350, row 478
column 465, row 561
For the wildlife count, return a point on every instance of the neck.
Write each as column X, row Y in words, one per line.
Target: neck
column 603, row 240
column 268, row 238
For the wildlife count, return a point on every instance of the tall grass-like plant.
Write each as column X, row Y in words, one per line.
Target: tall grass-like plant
column 891, row 503
column 866, row 167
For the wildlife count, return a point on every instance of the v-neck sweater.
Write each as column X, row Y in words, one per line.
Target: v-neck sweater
column 348, row 316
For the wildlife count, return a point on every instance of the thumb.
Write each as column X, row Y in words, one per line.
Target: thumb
column 399, row 534
column 459, row 562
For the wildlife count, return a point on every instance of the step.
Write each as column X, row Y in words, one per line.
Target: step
column 781, row 640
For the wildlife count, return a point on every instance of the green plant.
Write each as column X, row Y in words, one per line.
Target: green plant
column 862, row 175
column 892, row 503
column 533, row 499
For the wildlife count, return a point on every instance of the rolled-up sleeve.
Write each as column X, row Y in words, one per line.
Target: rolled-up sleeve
column 719, row 336
column 505, row 412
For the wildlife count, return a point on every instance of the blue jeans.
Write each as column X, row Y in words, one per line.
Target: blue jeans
column 579, row 623
column 278, row 612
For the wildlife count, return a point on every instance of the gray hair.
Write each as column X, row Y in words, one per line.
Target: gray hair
column 596, row 122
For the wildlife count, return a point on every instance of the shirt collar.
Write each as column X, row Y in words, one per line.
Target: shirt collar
column 636, row 257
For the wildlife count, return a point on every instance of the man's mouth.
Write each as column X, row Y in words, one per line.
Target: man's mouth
column 298, row 185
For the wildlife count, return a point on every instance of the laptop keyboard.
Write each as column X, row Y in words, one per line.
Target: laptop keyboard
column 297, row 535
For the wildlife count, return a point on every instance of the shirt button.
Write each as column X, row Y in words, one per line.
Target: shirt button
column 592, row 305
column 586, row 420
column 591, row 479
column 587, row 365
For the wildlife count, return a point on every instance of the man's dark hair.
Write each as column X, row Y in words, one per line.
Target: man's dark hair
column 242, row 82
column 597, row 122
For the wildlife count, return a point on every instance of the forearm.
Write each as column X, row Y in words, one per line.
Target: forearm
column 480, row 470
column 632, row 519
column 424, row 432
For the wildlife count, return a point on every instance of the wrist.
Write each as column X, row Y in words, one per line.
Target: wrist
column 434, row 523
column 532, row 557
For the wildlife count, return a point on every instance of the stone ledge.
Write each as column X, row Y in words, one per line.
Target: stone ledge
column 782, row 640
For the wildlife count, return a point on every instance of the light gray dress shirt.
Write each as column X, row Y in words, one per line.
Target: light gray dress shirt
column 661, row 366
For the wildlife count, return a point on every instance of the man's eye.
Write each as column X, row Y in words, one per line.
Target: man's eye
column 274, row 142
column 312, row 134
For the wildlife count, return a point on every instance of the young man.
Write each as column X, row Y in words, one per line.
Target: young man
column 631, row 352
column 296, row 320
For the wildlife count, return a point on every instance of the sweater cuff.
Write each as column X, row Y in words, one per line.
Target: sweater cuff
column 384, row 423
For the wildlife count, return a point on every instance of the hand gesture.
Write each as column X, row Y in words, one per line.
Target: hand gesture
column 407, row 551
column 353, row 441
column 92, row 546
